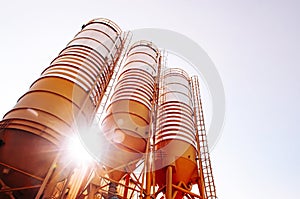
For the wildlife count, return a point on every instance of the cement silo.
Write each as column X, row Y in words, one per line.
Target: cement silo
column 127, row 123
column 175, row 140
column 151, row 143
column 61, row 102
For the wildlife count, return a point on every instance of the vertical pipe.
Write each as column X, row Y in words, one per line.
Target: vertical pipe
column 149, row 166
column 169, row 182
column 201, row 188
column 148, row 184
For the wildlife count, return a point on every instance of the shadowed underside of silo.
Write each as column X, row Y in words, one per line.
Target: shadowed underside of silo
column 151, row 142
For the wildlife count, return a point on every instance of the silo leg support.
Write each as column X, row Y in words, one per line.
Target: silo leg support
column 148, row 185
column 112, row 191
column 169, row 183
column 47, row 178
column 127, row 178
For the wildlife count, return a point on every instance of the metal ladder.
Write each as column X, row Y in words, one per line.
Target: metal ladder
column 204, row 163
column 127, row 36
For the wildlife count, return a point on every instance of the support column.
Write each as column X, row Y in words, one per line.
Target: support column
column 112, row 191
column 127, row 178
column 169, row 183
column 148, row 184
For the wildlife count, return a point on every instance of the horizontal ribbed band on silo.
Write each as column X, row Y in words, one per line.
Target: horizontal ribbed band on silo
column 127, row 123
column 68, row 91
column 130, row 105
column 175, row 117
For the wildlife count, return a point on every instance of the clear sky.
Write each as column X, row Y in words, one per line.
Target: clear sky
column 254, row 44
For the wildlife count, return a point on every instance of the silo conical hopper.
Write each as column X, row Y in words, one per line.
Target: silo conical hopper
column 175, row 144
column 58, row 104
column 126, row 125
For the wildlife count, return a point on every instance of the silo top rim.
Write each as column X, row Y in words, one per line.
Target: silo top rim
column 176, row 71
column 146, row 43
column 112, row 24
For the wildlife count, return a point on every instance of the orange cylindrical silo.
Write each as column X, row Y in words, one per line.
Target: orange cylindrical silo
column 126, row 124
column 175, row 141
column 60, row 103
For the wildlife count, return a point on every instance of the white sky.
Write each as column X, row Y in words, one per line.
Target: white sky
column 254, row 45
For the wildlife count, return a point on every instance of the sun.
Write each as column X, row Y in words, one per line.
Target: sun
column 77, row 152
